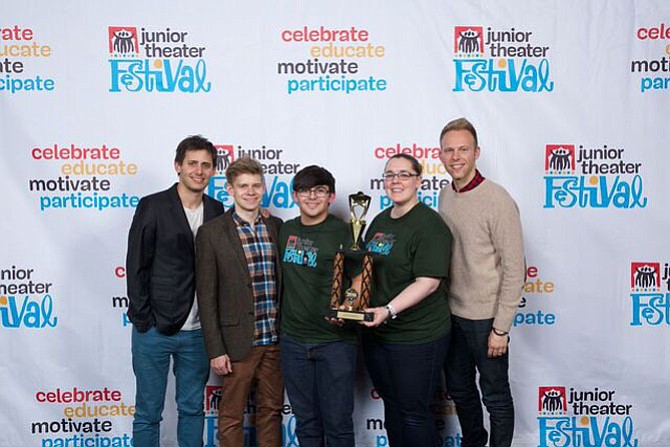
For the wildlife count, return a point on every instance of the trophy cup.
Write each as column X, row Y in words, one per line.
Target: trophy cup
column 351, row 308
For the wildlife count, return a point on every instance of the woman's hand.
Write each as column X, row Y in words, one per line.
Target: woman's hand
column 381, row 314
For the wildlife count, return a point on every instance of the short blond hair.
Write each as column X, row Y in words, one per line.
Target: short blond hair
column 243, row 165
column 459, row 124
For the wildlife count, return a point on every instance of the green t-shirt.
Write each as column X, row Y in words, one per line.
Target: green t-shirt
column 414, row 245
column 307, row 254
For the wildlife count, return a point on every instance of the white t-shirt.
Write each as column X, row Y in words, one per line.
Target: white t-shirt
column 195, row 218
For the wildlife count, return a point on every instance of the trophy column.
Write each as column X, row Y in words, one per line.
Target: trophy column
column 366, row 281
column 338, row 277
column 355, row 301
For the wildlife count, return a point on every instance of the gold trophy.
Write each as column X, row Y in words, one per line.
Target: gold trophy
column 351, row 308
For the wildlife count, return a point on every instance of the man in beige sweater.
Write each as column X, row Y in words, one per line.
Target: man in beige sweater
column 487, row 275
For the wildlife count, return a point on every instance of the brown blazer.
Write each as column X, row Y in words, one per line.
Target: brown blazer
column 225, row 296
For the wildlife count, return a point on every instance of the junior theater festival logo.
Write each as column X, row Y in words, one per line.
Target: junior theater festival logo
column 504, row 60
column 572, row 417
column 277, row 170
column 27, row 301
column 163, row 61
column 213, row 401
column 650, row 294
column 577, row 176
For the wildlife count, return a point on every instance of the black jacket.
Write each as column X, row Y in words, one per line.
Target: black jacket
column 160, row 263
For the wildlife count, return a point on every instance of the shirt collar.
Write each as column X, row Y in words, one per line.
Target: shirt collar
column 241, row 222
column 472, row 184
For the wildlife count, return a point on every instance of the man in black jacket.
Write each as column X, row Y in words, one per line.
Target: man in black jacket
column 160, row 269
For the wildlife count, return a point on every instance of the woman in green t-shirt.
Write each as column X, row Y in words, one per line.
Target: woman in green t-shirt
column 406, row 343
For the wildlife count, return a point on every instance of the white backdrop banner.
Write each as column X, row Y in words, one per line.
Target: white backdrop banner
column 571, row 101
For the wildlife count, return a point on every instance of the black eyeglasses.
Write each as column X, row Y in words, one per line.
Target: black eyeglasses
column 403, row 176
column 319, row 191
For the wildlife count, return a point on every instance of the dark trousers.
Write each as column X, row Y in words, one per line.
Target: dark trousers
column 319, row 380
column 406, row 377
column 467, row 355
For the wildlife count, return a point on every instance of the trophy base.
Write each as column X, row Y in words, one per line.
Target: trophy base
column 350, row 315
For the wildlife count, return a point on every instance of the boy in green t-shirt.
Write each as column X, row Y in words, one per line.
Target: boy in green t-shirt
column 318, row 358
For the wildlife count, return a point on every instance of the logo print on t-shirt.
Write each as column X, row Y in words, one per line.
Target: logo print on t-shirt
column 381, row 243
column 300, row 251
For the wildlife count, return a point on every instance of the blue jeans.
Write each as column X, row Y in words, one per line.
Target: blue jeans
column 468, row 354
column 319, row 381
column 151, row 363
column 406, row 377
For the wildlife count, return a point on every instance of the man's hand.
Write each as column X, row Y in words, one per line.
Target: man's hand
column 221, row 365
column 497, row 344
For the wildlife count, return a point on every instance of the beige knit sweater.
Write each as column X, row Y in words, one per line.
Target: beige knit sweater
column 487, row 257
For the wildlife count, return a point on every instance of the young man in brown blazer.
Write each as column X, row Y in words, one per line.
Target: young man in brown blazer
column 238, row 283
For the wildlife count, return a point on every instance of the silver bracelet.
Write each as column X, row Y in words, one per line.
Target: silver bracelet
column 392, row 313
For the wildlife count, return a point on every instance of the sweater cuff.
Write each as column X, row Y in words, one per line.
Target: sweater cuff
column 503, row 321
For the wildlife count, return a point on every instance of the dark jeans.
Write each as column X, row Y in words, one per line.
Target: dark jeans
column 406, row 377
column 468, row 354
column 319, row 380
